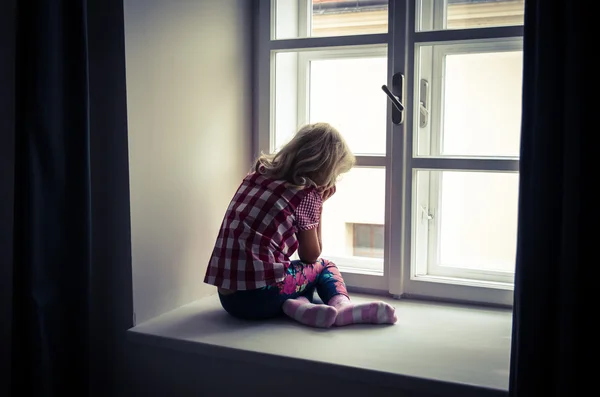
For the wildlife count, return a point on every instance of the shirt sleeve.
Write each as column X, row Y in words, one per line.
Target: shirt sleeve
column 308, row 211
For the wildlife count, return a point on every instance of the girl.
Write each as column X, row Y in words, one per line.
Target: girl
column 275, row 212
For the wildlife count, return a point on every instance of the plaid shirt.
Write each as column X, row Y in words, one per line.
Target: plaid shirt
column 258, row 233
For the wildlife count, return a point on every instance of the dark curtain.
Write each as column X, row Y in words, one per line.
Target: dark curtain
column 549, row 294
column 72, row 269
column 7, row 162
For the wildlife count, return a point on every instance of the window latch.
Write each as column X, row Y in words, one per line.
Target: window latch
column 426, row 214
column 397, row 100
column 423, row 103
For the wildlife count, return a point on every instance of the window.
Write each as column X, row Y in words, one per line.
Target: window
column 431, row 207
column 367, row 240
column 343, row 223
column 321, row 18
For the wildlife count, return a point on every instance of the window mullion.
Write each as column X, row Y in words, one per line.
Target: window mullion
column 438, row 36
column 322, row 42
column 400, row 176
column 304, row 21
column 466, row 164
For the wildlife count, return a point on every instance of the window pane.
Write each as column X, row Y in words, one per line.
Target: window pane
column 347, row 93
column 362, row 236
column 319, row 18
column 359, row 202
column 378, row 237
column 341, row 87
column 368, row 240
column 468, row 14
column 473, row 221
column 473, row 102
column 286, row 97
column 482, row 104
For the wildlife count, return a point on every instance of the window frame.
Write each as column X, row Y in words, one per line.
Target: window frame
column 436, row 58
column 399, row 278
column 431, row 268
column 431, row 286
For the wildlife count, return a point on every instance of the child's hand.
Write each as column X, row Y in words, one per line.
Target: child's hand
column 325, row 194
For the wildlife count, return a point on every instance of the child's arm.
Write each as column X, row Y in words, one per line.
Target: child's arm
column 309, row 245
column 319, row 229
column 327, row 193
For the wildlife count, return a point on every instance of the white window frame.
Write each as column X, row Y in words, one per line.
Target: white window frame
column 400, row 277
column 353, row 264
column 436, row 112
column 348, row 264
column 366, row 270
column 301, row 11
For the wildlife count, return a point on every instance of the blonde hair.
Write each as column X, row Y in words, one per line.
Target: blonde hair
column 315, row 156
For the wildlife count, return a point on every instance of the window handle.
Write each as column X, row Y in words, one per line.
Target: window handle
column 395, row 100
column 423, row 103
column 398, row 87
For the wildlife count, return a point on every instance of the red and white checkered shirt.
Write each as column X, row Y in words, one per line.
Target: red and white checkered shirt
column 258, row 233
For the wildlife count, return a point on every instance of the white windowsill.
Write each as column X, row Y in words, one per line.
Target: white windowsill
column 465, row 348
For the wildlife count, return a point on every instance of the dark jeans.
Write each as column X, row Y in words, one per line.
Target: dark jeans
column 301, row 279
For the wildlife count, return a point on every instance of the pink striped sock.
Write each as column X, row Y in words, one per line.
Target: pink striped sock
column 301, row 310
column 376, row 312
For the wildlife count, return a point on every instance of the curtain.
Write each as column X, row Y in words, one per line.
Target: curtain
column 7, row 161
column 547, row 341
column 71, row 275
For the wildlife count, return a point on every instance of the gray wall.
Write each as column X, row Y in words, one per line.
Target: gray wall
column 174, row 373
column 162, row 371
column 7, row 156
column 189, row 118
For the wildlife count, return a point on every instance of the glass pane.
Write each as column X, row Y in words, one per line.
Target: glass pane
column 473, row 221
column 319, row 18
column 286, row 97
column 357, row 208
column 378, row 237
column 347, row 93
column 362, row 236
column 474, row 101
column 468, row 14
column 368, row 240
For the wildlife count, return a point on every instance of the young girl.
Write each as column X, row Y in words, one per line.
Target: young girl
column 275, row 212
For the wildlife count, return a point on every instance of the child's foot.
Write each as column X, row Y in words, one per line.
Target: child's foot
column 301, row 310
column 362, row 313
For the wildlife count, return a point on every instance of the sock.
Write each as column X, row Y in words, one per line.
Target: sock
column 376, row 312
column 301, row 310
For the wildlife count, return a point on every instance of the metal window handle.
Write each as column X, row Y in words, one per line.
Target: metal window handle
column 397, row 101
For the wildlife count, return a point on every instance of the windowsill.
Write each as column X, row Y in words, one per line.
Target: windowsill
column 434, row 346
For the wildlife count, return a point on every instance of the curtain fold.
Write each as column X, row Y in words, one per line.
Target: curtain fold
column 72, row 270
column 52, row 198
column 547, row 323
column 7, row 175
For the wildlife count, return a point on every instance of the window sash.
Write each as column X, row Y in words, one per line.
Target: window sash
column 438, row 162
column 398, row 278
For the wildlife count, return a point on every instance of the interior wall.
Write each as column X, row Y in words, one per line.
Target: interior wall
column 7, row 158
column 161, row 371
column 189, row 119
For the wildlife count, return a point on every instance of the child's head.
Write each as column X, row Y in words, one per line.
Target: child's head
column 315, row 156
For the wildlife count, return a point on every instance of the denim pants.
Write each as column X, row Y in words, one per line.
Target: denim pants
column 301, row 279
